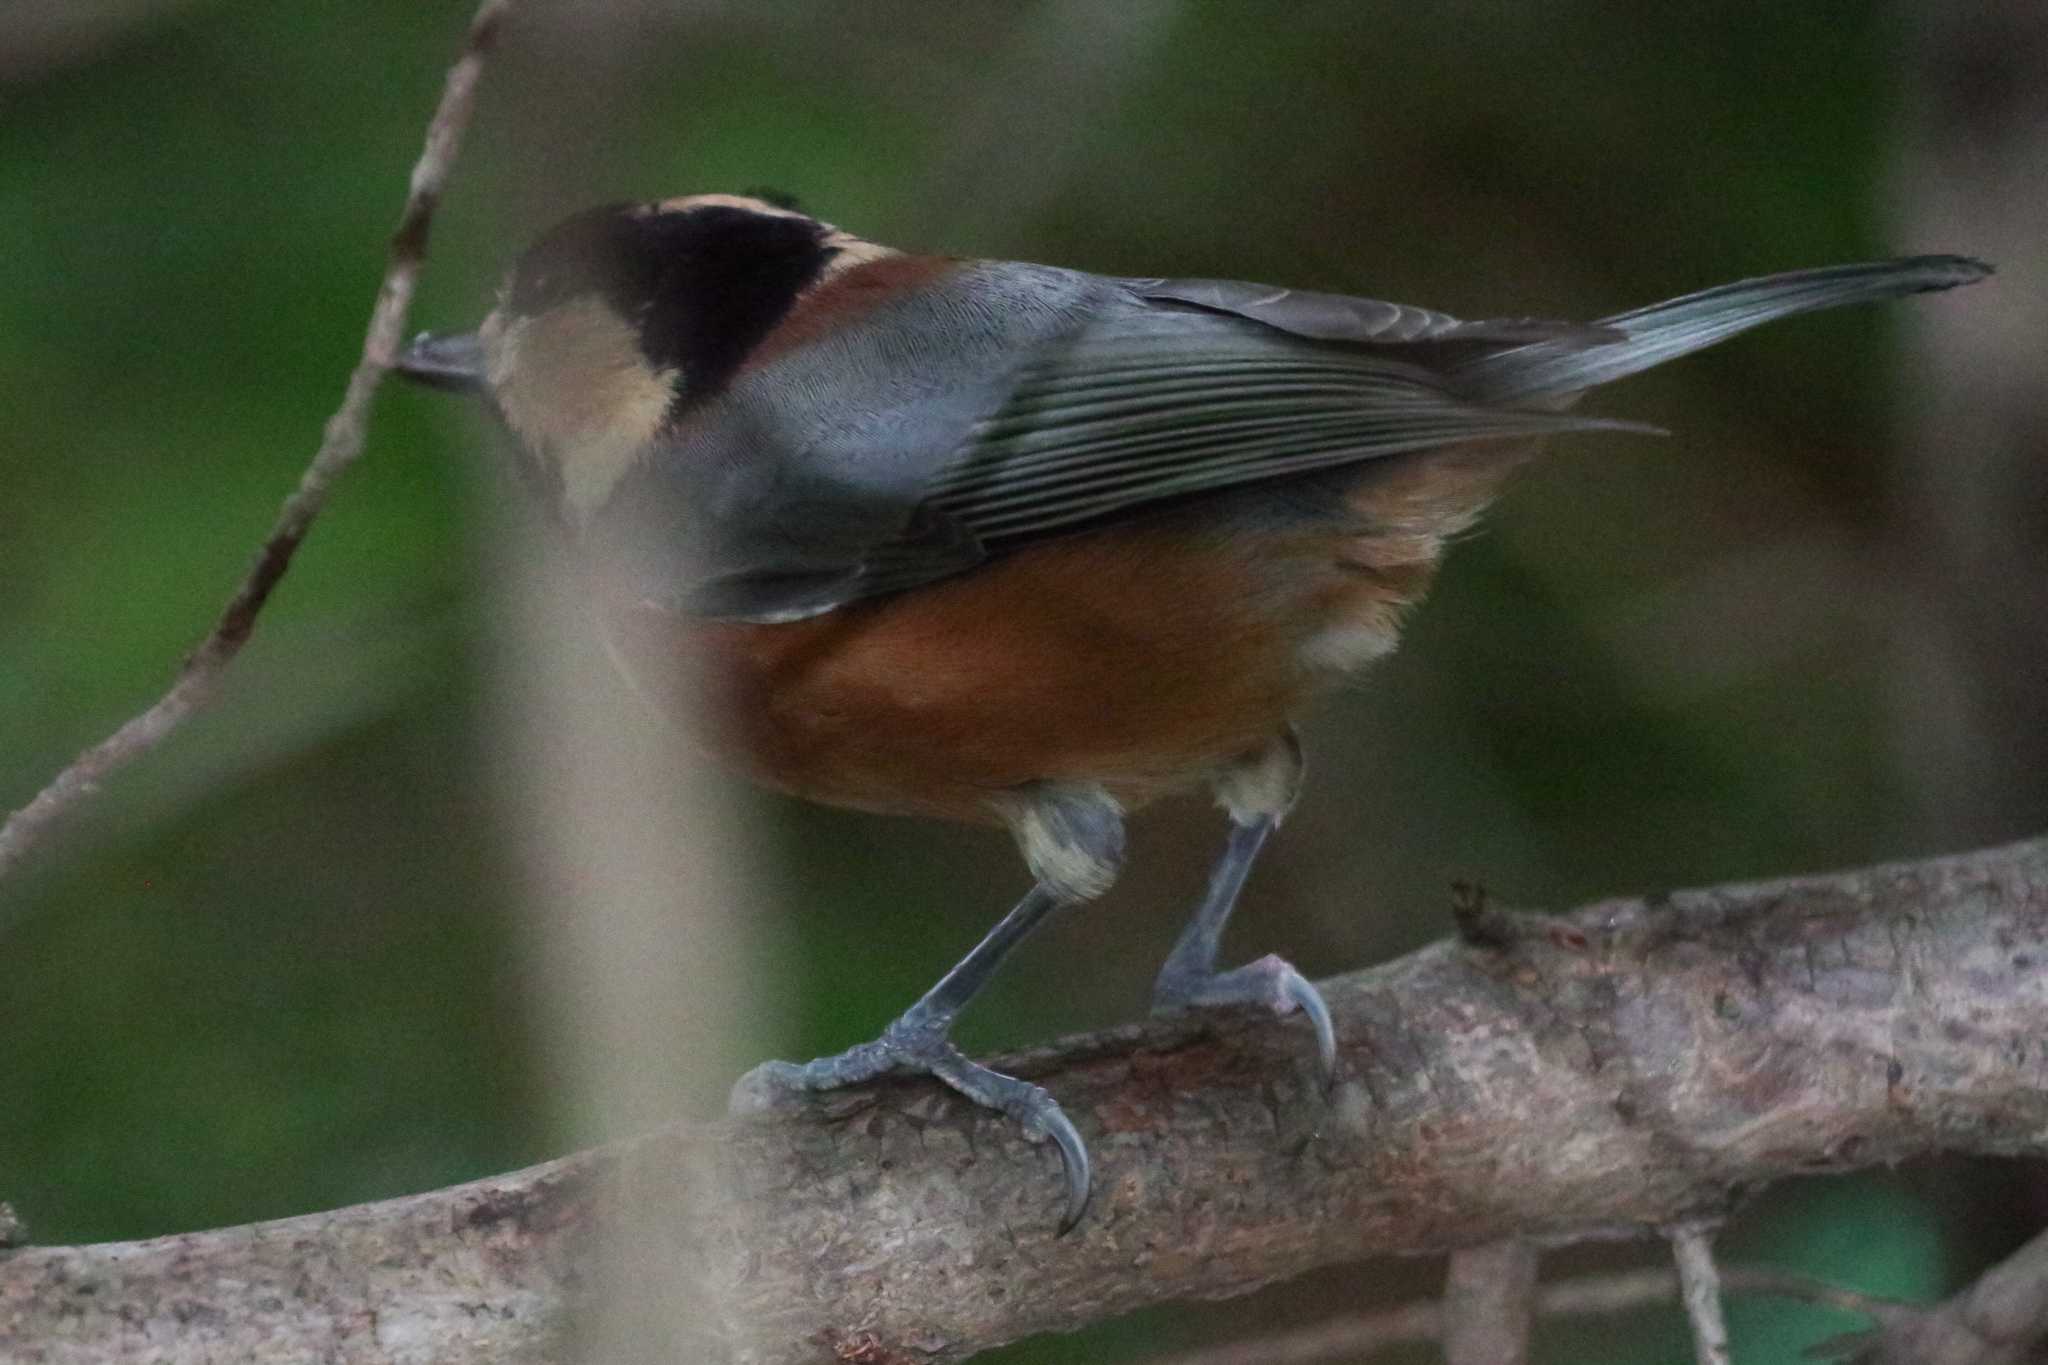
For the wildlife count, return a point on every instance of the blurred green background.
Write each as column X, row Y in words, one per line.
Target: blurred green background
column 277, row 967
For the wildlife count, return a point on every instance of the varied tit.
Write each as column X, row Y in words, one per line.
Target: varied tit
column 987, row 541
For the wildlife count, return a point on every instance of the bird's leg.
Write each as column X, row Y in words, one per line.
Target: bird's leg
column 1257, row 791
column 920, row 1034
column 1073, row 839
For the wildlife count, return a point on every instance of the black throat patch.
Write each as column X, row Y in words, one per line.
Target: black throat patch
column 700, row 286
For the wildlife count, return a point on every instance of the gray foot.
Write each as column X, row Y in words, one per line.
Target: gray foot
column 914, row 1047
column 1271, row 983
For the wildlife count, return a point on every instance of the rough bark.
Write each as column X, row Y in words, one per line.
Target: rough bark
column 1634, row 1065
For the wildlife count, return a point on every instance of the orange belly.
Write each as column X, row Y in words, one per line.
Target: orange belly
column 1141, row 656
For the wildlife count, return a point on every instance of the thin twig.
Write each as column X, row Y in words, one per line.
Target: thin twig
column 1784, row 1284
column 1699, row 1287
column 341, row 443
column 1347, row 1338
column 1490, row 1304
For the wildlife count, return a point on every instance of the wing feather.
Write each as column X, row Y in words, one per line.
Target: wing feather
column 1341, row 317
column 893, row 468
column 1113, row 422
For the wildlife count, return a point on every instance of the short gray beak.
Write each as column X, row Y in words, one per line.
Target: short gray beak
column 452, row 360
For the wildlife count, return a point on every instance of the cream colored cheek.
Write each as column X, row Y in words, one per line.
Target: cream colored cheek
column 574, row 389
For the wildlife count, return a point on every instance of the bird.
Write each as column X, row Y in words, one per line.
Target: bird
column 1020, row 545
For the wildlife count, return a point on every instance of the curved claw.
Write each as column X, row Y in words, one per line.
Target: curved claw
column 1036, row 1111
column 1309, row 1001
column 1073, row 1160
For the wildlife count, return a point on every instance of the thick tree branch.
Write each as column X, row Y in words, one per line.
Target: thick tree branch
column 341, row 443
column 1631, row 1067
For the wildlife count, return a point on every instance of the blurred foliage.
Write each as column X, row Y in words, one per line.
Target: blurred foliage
column 274, row 969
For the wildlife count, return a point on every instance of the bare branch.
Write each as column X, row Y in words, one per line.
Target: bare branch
column 1699, row 1288
column 1490, row 1304
column 1631, row 1067
column 341, row 443
column 1359, row 1334
column 2001, row 1319
column 1784, row 1284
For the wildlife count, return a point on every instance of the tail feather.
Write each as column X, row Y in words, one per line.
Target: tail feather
column 1664, row 331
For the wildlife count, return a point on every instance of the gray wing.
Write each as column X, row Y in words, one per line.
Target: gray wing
column 1149, row 407
column 1341, row 317
column 769, row 503
column 1022, row 403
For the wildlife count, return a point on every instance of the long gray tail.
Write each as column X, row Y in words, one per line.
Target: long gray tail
column 1664, row 331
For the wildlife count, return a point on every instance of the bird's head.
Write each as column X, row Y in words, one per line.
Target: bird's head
column 622, row 318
